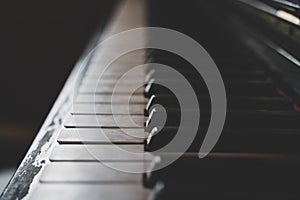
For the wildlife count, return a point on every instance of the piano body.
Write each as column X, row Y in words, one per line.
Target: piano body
column 103, row 136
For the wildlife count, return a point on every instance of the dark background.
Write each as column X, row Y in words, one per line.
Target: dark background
column 39, row 43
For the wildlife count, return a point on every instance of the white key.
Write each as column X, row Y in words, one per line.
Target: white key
column 103, row 153
column 105, row 121
column 102, row 136
column 89, row 191
column 116, row 109
column 95, row 172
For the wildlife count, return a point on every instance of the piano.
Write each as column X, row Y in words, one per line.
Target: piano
column 107, row 133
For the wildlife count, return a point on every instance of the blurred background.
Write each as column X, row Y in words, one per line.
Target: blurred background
column 40, row 41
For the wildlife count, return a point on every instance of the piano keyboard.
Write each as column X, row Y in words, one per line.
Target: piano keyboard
column 106, row 148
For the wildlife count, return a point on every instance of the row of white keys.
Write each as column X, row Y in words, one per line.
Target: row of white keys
column 100, row 150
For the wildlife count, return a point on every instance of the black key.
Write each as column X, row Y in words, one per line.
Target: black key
column 239, row 88
column 234, row 119
column 224, row 64
column 233, row 102
column 165, row 193
column 227, row 172
column 182, row 67
column 248, row 76
column 234, row 140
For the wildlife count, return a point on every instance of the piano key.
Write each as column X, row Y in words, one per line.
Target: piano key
column 187, row 69
column 199, row 81
column 117, row 71
column 101, row 57
column 102, row 98
column 183, row 192
column 234, row 119
column 248, row 76
column 234, row 140
column 256, row 172
column 123, row 64
column 112, row 81
column 100, row 153
column 116, row 109
column 127, row 61
column 233, row 102
column 183, row 67
column 253, row 88
column 102, row 136
column 113, row 84
column 111, row 89
column 226, row 64
column 259, row 141
column 115, row 78
column 136, row 53
column 104, row 121
column 92, row 191
column 132, row 75
column 93, row 172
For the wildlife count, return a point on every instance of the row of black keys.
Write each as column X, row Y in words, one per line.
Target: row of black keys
column 256, row 112
column 257, row 153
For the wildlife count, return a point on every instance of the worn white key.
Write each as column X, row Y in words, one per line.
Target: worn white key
column 112, row 85
column 104, row 153
column 122, row 65
column 116, row 70
column 94, row 172
column 105, row 121
column 99, row 75
column 103, row 98
column 127, row 61
column 102, row 136
column 109, row 89
column 117, row 109
column 87, row 81
column 116, row 78
column 89, row 191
